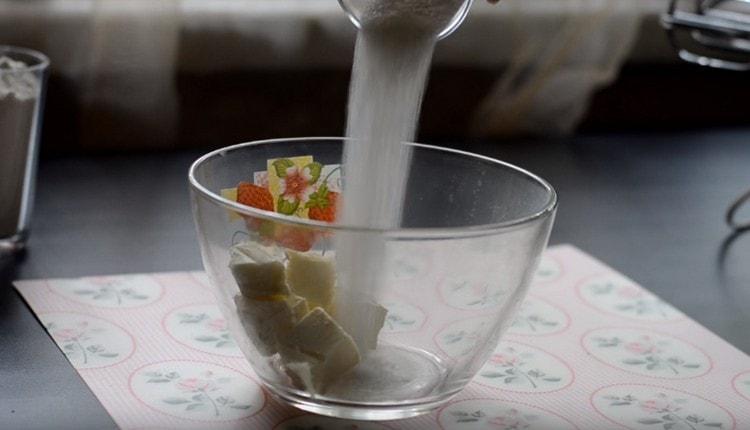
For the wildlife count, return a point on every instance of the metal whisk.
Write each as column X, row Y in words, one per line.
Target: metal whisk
column 713, row 33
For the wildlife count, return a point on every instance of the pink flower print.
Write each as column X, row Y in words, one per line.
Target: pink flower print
column 110, row 289
column 67, row 334
column 649, row 354
column 510, row 420
column 664, row 412
column 503, row 360
column 501, row 422
column 629, row 293
column 193, row 385
column 479, row 289
column 101, row 281
column 505, row 423
column 218, row 324
column 640, row 348
column 296, row 185
column 657, row 406
column 198, row 392
column 509, row 368
column 76, row 342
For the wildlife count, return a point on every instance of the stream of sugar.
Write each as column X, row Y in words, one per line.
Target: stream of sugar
column 391, row 63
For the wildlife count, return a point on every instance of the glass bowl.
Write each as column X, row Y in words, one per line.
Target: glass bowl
column 456, row 269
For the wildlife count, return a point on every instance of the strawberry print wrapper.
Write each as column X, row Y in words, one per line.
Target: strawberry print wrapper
column 293, row 186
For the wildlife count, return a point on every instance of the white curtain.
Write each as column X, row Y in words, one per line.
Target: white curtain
column 122, row 55
column 116, row 58
column 557, row 64
column 130, row 70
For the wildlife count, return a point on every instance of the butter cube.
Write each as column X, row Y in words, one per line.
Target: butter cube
column 361, row 316
column 258, row 270
column 313, row 277
column 299, row 306
column 269, row 321
column 325, row 347
column 369, row 319
column 301, row 374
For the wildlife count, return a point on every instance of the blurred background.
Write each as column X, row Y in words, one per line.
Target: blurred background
column 162, row 74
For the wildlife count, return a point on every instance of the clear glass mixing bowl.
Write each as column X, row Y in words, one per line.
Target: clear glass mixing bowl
column 472, row 234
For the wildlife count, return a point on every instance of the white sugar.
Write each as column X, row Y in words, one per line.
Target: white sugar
column 432, row 16
column 391, row 63
column 16, row 81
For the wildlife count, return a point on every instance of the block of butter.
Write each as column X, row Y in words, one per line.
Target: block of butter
column 289, row 310
column 321, row 351
column 265, row 306
column 363, row 319
column 268, row 322
column 258, row 270
column 312, row 276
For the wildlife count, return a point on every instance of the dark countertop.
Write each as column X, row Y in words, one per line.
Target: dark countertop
column 652, row 206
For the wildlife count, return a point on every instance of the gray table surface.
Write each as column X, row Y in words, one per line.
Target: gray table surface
column 650, row 205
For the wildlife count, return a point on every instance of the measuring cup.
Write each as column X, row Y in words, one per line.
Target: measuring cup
column 442, row 16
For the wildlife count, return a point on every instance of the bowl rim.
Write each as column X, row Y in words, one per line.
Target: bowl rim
column 41, row 64
column 546, row 211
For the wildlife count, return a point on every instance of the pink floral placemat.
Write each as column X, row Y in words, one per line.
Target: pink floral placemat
column 590, row 349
